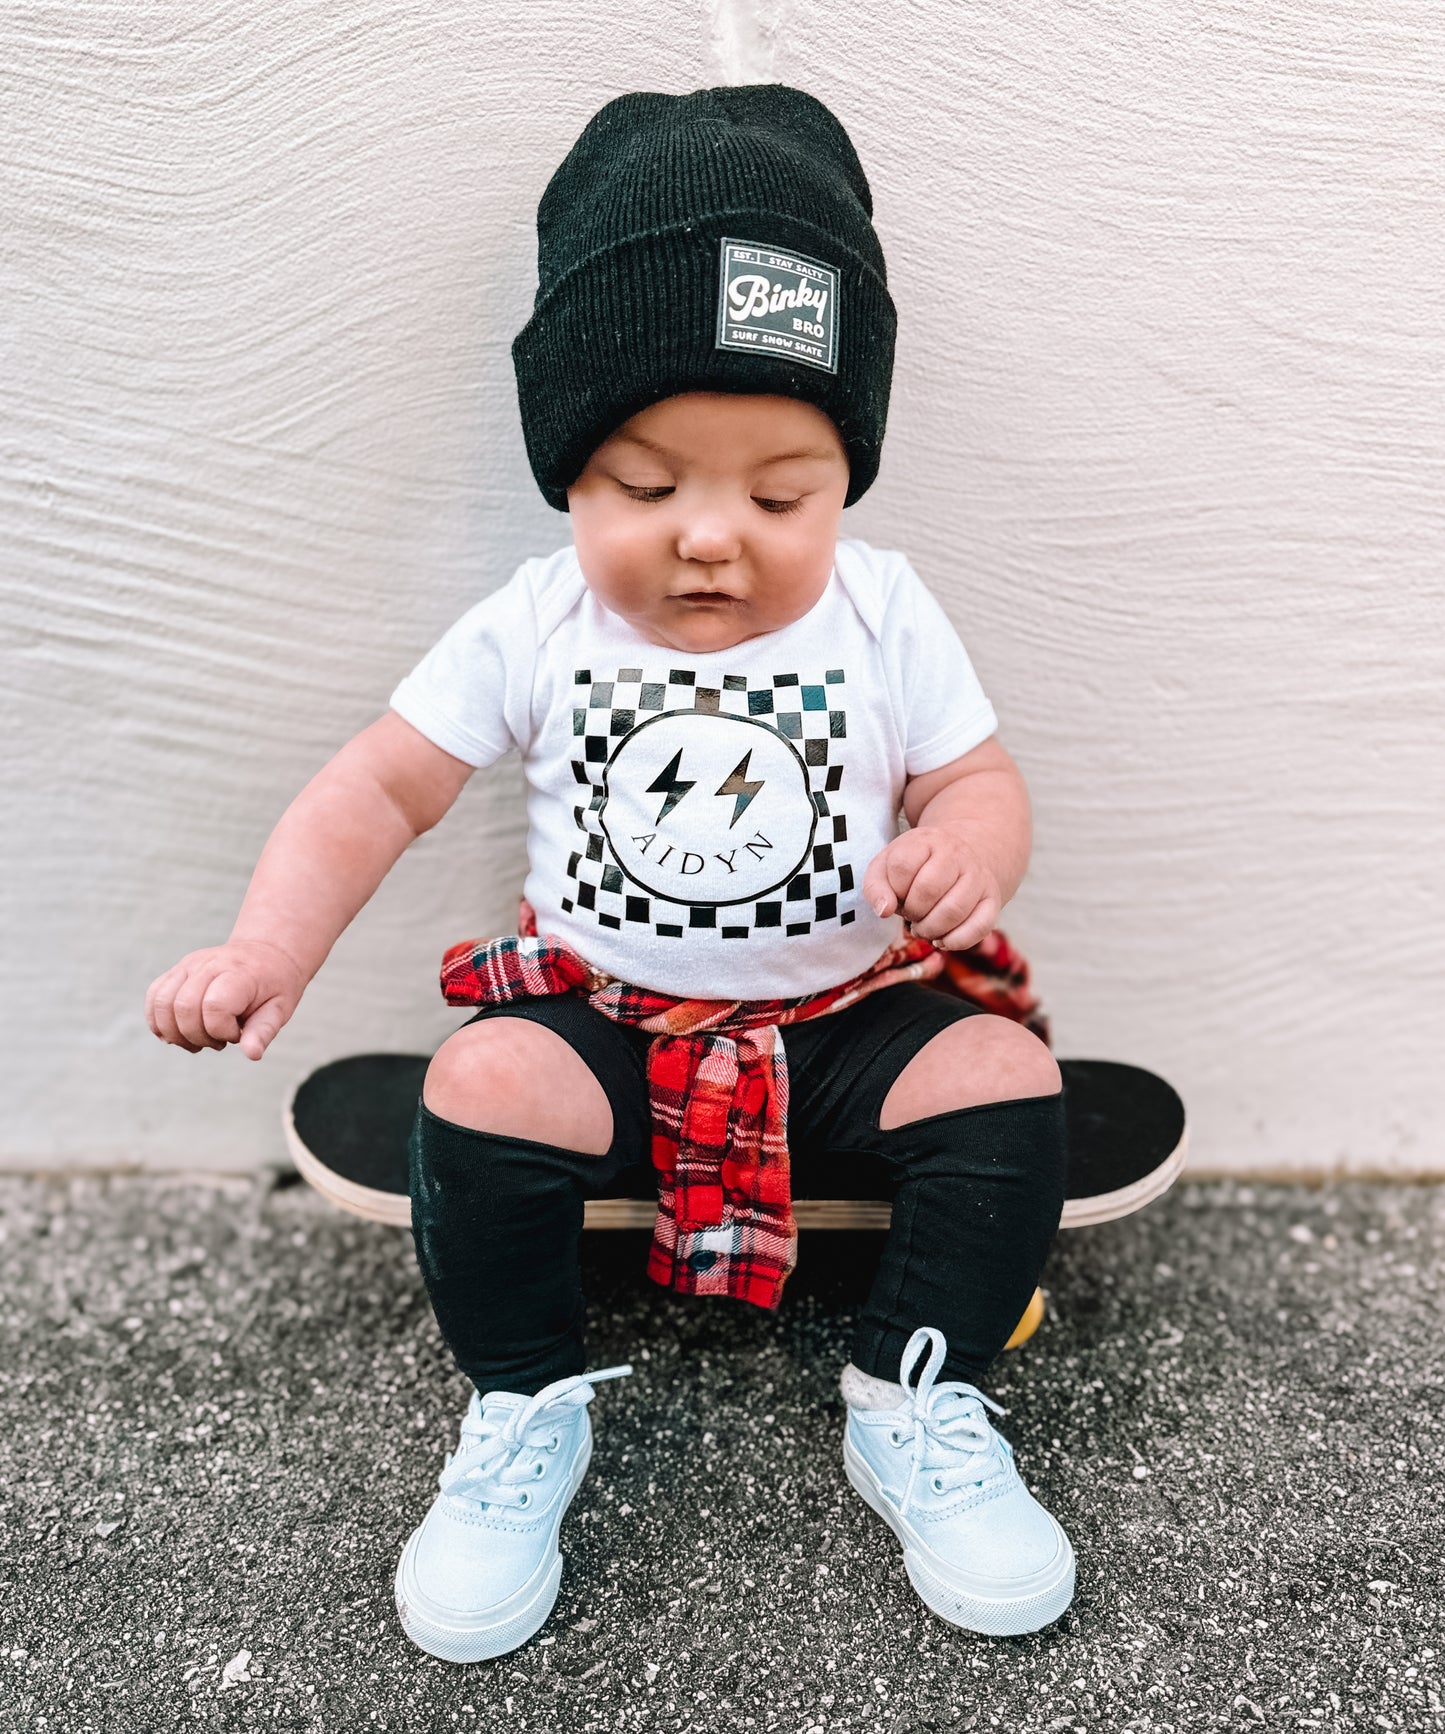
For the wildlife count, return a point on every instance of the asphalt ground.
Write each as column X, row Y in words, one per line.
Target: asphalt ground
column 223, row 1408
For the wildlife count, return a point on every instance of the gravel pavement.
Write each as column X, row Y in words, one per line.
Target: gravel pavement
column 223, row 1407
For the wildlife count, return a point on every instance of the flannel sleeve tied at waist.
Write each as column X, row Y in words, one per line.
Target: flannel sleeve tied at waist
column 717, row 1076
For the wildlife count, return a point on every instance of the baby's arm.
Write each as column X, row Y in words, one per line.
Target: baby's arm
column 333, row 846
column 951, row 875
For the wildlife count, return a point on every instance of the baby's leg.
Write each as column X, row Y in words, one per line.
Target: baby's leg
column 526, row 1112
column 974, row 1125
column 966, row 1109
column 979, row 1059
column 519, row 1079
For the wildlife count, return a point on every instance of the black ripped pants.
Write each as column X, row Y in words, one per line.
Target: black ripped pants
column 977, row 1194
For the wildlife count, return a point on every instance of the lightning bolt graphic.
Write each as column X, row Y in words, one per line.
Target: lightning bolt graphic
column 738, row 784
column 668, row 783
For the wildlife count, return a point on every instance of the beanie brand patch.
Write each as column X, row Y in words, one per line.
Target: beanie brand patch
column 778, row 304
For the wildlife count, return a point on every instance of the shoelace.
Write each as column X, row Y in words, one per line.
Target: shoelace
column 944, row 1414
column 485, row 1467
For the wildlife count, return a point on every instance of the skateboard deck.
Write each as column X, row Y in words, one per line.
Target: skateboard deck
column 347, row 1127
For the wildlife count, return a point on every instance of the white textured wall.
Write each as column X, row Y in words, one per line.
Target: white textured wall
column 1167, row 437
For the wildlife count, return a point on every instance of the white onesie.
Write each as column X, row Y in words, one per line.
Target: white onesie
column 699, row 824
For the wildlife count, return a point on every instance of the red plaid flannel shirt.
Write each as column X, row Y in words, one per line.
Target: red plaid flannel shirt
column 717, row 1075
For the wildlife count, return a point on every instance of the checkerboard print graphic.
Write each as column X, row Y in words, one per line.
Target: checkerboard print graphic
column 609, row 705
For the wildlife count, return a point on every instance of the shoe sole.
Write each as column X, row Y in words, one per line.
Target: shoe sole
column 1032, row 1603
column 444, row 1633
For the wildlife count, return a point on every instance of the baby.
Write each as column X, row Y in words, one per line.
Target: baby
column 721, row 708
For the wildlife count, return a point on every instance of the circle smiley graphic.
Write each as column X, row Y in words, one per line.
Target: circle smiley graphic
column 705, row 808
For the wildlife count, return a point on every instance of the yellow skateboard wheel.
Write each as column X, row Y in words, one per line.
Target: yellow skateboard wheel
column 1030, row 1322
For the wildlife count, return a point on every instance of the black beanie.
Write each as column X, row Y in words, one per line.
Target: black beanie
column 719, row 241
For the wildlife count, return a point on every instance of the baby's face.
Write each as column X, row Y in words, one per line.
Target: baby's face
column 710, row 518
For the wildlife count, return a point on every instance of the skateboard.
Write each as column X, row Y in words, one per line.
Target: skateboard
column 347, row 1127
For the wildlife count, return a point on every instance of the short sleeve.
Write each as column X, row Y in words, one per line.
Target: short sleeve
column 471, row 693
column 942, row 709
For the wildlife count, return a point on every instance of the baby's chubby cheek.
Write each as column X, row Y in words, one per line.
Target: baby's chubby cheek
column 623, row 582
column 623, row 565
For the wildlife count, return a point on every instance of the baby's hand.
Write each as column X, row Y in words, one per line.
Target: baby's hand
column 241, row 992
column 941, row 887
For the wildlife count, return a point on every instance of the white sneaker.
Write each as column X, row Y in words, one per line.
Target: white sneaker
column 978, row 1547
column 481, row 1574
